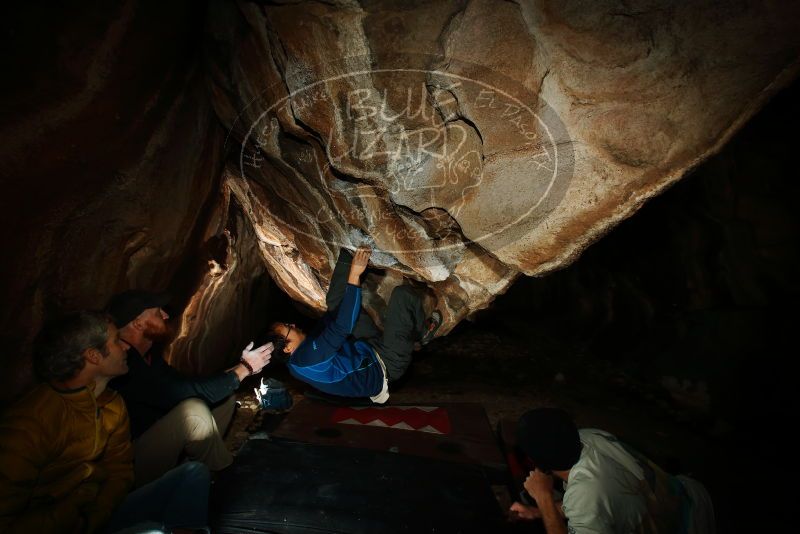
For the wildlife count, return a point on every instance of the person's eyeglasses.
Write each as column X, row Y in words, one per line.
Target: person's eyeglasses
column 289, row 329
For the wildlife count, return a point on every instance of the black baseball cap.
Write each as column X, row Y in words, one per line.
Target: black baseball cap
column 125, row 307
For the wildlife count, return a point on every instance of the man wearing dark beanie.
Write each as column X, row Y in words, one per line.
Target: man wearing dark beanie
column 608, row 487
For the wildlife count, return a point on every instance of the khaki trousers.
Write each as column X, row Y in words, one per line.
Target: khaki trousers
column 190, row 429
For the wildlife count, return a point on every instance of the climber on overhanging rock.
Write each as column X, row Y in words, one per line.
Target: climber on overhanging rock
column 173, row 415
column 346, row 354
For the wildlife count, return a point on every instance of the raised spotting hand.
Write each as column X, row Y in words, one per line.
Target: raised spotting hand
column 257, row 358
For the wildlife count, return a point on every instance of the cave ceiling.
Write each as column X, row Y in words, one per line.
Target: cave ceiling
column 163, row 146
column 473, row 142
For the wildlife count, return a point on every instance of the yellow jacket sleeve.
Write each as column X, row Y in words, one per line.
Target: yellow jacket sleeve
column 26, row 446
column 117, row 462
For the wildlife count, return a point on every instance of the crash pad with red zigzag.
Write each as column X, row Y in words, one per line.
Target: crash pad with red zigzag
column 432, row 419
column 458, row 432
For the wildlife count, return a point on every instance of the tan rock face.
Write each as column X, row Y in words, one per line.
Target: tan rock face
column 468, row 142
column 228, row 303
column 471, row 142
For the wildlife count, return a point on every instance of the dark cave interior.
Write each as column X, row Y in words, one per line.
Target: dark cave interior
column 673, row 331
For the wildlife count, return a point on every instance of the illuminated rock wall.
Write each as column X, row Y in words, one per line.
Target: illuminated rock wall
column 471, row 142
column 468, row 142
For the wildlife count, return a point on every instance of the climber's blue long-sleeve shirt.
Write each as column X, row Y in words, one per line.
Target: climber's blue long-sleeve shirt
column 333, row 362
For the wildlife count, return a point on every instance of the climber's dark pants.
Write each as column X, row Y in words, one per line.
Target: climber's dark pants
column 403, row 320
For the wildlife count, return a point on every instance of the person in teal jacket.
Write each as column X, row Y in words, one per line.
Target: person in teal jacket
column 346, row 354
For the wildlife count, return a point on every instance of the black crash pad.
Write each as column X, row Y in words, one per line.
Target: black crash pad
column 281, row 486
